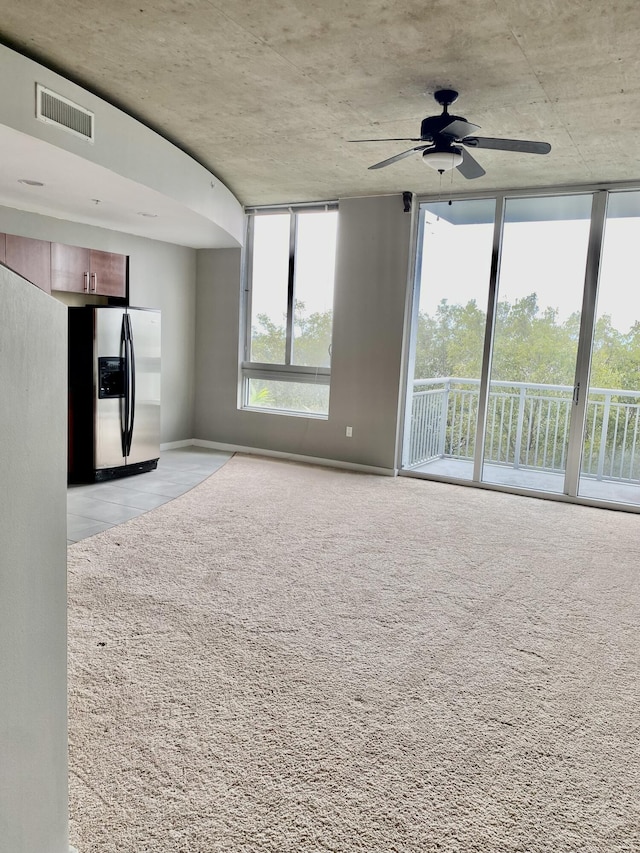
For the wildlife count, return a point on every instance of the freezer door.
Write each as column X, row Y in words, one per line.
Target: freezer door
column 108, row 392
column 145, row 441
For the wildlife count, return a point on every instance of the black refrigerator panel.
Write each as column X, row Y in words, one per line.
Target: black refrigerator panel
column 80, row 407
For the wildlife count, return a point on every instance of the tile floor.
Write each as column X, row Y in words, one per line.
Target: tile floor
column 95, row 507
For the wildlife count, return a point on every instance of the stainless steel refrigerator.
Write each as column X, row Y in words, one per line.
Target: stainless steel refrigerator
column 114, row 392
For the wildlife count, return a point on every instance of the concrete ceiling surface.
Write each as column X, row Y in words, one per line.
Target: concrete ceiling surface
column 267, row 94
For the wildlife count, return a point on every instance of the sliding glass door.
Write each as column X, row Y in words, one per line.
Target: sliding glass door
column 454, row 260
column 524, row 368
column 610, row 468
column 537, row 320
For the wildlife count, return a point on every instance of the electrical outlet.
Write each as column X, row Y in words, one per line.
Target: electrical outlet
column 349, row 432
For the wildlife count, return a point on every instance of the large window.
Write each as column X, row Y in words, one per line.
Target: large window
column 611, row 440
column 535, row 341
column 290, row 277
column 449, row 333
column 540, row 389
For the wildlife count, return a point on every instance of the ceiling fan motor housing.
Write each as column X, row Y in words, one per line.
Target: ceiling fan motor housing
column 433, row 125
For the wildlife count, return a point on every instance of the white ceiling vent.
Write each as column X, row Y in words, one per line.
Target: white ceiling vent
column 54, row 109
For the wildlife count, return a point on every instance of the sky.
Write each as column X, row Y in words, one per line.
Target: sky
column 315, row 263
column 547, row 258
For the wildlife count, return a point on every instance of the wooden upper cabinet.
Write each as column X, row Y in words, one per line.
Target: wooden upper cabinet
column 30, row 258
column 88, row 271
column 69, row 268
column 107, row 273
column 56, row 266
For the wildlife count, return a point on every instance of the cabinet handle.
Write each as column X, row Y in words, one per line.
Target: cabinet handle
column 86, row 282
column 94, row 276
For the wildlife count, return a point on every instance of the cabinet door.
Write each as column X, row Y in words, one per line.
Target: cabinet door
column 3, row 245
column 108, row 274
column 69, row 268
column 31, row 259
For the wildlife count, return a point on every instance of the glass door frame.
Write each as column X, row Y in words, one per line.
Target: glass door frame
column 585, row 344
column 600, row 195
column 487, row 353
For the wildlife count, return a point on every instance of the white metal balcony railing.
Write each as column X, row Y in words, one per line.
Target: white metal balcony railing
column 527, row 426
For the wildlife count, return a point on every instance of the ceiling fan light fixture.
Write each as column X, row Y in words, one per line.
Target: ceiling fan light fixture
column 442, row 160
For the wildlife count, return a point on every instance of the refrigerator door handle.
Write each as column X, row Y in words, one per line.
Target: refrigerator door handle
column 132, row 385
column 125, row 410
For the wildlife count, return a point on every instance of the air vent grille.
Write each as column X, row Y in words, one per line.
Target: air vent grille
column 54, row 109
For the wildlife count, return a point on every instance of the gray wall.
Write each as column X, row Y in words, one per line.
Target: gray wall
column 371, row 278
column 33, row 426
column 162, row 276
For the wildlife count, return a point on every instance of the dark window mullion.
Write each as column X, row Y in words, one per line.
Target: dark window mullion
column 288, row 358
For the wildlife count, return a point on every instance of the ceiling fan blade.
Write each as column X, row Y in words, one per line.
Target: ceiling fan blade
column 397, row 157
column 459, row 128
column 470, row 167
column 395, row 139
column 521, row 145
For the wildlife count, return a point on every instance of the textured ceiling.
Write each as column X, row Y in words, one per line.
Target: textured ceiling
column 267, row 94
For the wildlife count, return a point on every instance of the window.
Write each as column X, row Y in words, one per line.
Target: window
column 289, row 310
column 525, row 361
column 449, row 332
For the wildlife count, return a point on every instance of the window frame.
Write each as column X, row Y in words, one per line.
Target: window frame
column 286, row 372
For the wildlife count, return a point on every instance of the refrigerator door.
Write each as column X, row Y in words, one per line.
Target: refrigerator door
column 108, row 385
column 145, row 386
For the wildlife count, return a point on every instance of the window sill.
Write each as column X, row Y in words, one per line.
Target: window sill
column 263, row 410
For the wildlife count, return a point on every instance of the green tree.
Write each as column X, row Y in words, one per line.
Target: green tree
column 531, row 346
column 268, row 341
column 450, row 344
column 311, row 346
column 312, row 338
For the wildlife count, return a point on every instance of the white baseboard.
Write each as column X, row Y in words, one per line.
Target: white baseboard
column 295, row 457
column 176, row 445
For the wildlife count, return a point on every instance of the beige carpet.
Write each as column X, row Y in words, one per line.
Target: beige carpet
column 293, row 659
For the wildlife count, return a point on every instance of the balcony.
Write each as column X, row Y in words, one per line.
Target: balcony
column 527, row 431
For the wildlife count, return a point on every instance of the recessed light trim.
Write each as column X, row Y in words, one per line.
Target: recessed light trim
column 30, row 183
column 148, row 215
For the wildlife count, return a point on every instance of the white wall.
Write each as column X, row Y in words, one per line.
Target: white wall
column 161, row 275
column 122, row 144
column 371, row 279
column 33, row 427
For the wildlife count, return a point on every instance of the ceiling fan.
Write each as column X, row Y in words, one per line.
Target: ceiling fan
column 442, row 136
